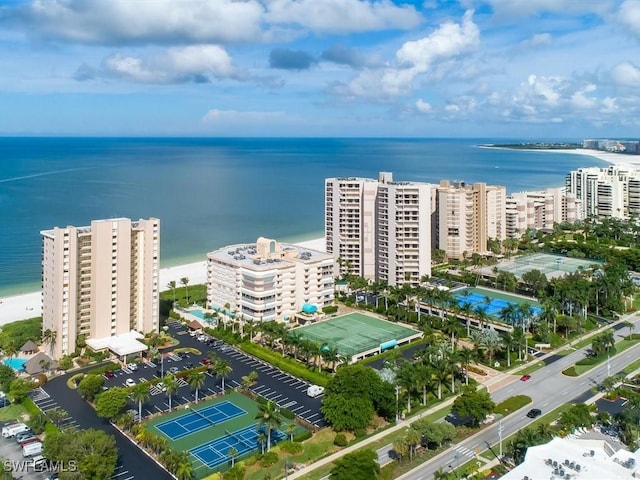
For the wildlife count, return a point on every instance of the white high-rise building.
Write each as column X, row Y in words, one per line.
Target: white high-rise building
column 268, row 280
column 100, row 281
column 468, row 215
column 539, row 210
column 611, row 192
column 379, row 229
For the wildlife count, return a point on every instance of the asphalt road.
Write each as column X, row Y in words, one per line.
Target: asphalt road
column 548, row 388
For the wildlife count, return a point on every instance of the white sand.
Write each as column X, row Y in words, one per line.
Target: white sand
column 619, row 159
column 28, row 305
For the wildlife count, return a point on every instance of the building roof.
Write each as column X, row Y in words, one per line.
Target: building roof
column 35, row 364
column 195, row 325
column 577, row 459
column 123, row 344
column 29, row 346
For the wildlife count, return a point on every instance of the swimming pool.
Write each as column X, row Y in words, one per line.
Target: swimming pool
column 15, row 363
column 490, row 302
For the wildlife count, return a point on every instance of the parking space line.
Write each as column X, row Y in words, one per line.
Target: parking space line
column 290, row 404
column 295, row 410
column 273, row 399
column 304, row 413
column 301, row 387
column 311, row 416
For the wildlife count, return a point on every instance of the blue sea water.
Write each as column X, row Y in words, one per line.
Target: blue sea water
column 212, row 192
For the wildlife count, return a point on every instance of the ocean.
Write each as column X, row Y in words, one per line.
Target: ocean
column 211, row 192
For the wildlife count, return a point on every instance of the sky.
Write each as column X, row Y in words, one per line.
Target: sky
column 534, row 69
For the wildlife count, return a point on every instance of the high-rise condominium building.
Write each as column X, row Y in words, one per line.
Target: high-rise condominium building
column 468, row 215
column 539, row 210
column 605, row 192
column 100, row 281
column 379, row 229
column 267, row 280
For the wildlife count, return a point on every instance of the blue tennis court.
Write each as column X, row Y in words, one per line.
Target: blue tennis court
column 491, row 306
column 215, row 453
column 197, row 420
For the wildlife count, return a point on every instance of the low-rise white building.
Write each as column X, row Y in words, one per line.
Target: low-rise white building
column 268, row 280
column 576, row 459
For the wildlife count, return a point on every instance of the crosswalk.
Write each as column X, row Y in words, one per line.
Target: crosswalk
column 464, row 451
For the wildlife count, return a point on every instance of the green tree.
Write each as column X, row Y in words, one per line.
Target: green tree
column 232, row 453
column 222, row 368
column 473, row 405
column 172, row 286
column 269, row 417
column 90, row 386
column 7, row 375
column 171, row 386
column 19, row 390
column 38, row 422
column 50, row 337
column 56, row 416
column 184, row 281
column 196, row 380
column 110, row 403
column 361, row 465
column 92, row 452
column 139, row 394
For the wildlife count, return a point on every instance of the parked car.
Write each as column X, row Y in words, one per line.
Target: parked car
column 525, row 377
column 23, row 435
column 14, row 429
column 534, row 413
column 133, row 367
column 205, row 361
column 109, row 374
column 32, row 449
column 161, row 386
column 174, row 370
column 28, row 440
column 315, row 391
column 130, row 382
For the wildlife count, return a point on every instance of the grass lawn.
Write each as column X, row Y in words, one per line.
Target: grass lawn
column 12, row 412
column 620, row 347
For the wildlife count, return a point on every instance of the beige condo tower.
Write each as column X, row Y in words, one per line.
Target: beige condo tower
column 100, row 281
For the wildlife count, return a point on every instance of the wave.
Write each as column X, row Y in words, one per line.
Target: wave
column 42, row 174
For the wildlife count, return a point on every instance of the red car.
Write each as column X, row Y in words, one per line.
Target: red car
column 108, row 374
column 526, row 377
column 205, row 361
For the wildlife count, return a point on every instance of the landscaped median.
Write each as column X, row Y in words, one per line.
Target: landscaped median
column 591, row 361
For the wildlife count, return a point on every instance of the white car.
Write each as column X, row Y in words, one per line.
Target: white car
column 161, row 386
column 133, row 367
column 130, row 382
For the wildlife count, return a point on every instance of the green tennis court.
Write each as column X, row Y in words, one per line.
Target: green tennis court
column 551, row 265
column 209, row 444
column 355, row 333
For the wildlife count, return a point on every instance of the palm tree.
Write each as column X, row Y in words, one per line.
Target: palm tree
column 223, row 369
column 465, row 357
column 268, row 416
column 171, row 385
column 184, row 469
column 185, row 282
column 140, row 393
column 401, row 448
column 509, row 342
column 262, row 440
column 232, row 452
column 172, row 286
column 196, row 381
column 50, row 337
column 290, row 430
column 10, row 350
column 413, row 439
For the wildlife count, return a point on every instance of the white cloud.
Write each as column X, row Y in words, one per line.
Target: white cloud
column 581, row 100
column 342, row 16
column 514, row 8
column 626, row 74
column 416, row 57
column 422, row 106
column 629, row 16
column 215, row 116
column 126, row 21
column 196, row 63
column 540, row 39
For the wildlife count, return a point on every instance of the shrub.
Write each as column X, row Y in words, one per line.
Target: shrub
column 251, row 461
column 261, row 400
column 75, row 380
column 512, row 404
column 291, row 447
column 41, row 379
column 103, row 368
column 330, row 309
column 340, row 440
column 360, row 432
column 286, row 413
column 302, row 436
column 570, row 372
column 65, row 363
column 235, row 473
column 269, row 459
column 474, row 369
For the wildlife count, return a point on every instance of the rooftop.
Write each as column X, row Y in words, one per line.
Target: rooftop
column 576, row 459
column 123, row 344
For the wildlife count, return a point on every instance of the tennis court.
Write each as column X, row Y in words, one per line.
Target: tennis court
column 551, row 265
column 492, row 302
column 215, row 453
column 355, row 333
column 199, row 419
column 211, row 429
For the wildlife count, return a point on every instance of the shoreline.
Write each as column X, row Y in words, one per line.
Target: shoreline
column 618, row 159
column 29, row 305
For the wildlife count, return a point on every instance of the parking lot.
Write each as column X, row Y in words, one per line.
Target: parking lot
column 280, row 387
column 11, row 454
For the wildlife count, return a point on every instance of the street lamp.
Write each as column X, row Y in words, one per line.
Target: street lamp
column 608, row 364
column 500, row 430
column 397, row 403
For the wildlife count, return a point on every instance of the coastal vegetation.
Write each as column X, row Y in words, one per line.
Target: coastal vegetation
column 538, row 146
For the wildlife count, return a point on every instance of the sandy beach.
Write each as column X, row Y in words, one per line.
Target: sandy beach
column 28, row 305
column 609, row 157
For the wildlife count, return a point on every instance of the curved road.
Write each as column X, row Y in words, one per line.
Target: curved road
column 548, row 388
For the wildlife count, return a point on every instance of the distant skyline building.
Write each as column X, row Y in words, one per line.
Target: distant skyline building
column 609, row 192
column 468, row 215
column 539, row 210
column 268, row 280
column 100, row 281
